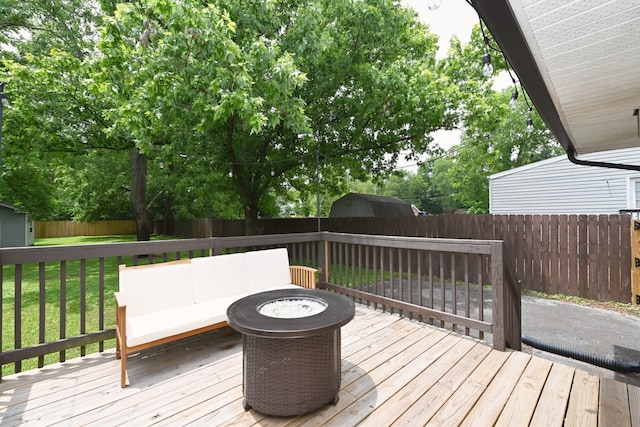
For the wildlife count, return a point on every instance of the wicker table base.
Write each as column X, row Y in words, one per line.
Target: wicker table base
column 291, row 365
column 286, row 377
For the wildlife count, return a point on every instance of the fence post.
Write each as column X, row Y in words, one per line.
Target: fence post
column 506, row 305
column 635, row 262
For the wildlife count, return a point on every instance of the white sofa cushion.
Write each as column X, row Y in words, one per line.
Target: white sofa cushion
column 268, row 269
column 153, row 326
column 156, row 288
column 219, row 276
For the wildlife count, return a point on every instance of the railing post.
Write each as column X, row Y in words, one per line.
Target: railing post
column 323, row 258
column 506, row 311
column 498, row 305
column 216, row 247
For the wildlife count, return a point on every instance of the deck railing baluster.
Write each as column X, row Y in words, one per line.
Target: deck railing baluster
column 83, row 302
column 42, row 300
column 63, row 306
column 17, row 319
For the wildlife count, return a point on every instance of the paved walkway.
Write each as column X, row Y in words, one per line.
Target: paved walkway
column 605, row 333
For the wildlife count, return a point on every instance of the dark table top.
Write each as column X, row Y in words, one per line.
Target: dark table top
column 243, row 315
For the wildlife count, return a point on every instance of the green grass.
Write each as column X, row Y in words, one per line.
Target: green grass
column 30, row 294
column 92, row 240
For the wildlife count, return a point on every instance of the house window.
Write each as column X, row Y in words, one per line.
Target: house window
column 634, row 193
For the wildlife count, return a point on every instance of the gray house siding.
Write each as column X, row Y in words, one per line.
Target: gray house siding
column 557, row 186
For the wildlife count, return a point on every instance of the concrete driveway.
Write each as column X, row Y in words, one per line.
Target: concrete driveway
column 605, row 333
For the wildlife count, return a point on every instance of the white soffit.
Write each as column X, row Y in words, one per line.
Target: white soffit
column 588, row 52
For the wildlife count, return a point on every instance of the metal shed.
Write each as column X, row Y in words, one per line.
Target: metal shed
column 368, row 205
column 16, row 228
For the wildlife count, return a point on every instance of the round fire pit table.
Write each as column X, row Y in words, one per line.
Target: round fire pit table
column 291, row 348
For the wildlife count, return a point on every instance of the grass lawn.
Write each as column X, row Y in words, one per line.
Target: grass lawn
column 89, row 240
column 50, row 291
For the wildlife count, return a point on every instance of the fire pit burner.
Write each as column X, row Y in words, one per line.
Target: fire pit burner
column 292, row 308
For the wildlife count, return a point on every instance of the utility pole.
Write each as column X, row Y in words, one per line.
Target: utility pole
column 3, row 99
column 318, row 188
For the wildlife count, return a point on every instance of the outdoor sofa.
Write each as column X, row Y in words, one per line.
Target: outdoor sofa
column 160, row 303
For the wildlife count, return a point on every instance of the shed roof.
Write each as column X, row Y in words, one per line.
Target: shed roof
column 8, row 206
column 378, row 206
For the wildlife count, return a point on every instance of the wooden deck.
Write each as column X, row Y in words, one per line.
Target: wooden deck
column 394, row 372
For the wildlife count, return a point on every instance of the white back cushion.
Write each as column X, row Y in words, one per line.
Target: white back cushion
column 219, row 276
column 268, row 269
column 158, row 287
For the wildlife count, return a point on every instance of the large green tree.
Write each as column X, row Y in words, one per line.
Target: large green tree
column 42, row 45
column 258, row 89
column 193, row 96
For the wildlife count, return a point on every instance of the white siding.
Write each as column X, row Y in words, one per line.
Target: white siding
column 557, row 186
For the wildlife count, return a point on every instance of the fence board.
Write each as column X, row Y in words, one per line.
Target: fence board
column 537, row 247
column 545, row 266
column 592, row 265
column 604, row 271
column 583, row 277
column 554, row 255
column 614, row 258
column 572, row 243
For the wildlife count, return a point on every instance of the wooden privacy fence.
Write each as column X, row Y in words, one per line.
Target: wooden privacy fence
column 72, row 228
column 586, row 256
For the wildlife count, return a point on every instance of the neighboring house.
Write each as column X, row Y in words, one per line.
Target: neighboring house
column 557, row 186
column 367, row 205
column 16, row 228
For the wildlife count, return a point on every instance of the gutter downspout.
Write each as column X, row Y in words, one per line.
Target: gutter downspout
column 571, row 154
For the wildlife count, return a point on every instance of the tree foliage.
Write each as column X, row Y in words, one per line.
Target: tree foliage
column 495, row 137
column 165, row 109
column 258, row 89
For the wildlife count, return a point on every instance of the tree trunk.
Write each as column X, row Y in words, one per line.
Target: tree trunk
column 139, row 193
column 251, row 219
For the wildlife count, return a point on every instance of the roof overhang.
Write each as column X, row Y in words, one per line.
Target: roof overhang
column 579, row 62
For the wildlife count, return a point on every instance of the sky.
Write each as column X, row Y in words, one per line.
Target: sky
column 453, row 17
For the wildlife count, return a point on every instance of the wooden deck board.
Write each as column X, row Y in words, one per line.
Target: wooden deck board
column 554, row 398
column 394, row 372
column 522, row 403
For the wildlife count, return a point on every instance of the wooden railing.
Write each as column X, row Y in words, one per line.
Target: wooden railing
column 463, row 285
column 68, row 290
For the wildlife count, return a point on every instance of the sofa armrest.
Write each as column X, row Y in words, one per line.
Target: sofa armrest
column 303, row 276
column 121, row 315
column 120, row 299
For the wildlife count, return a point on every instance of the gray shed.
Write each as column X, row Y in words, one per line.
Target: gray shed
column 367, row 205
column 16, row 228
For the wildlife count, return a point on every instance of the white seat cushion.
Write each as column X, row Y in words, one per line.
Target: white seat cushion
column 154, row 326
